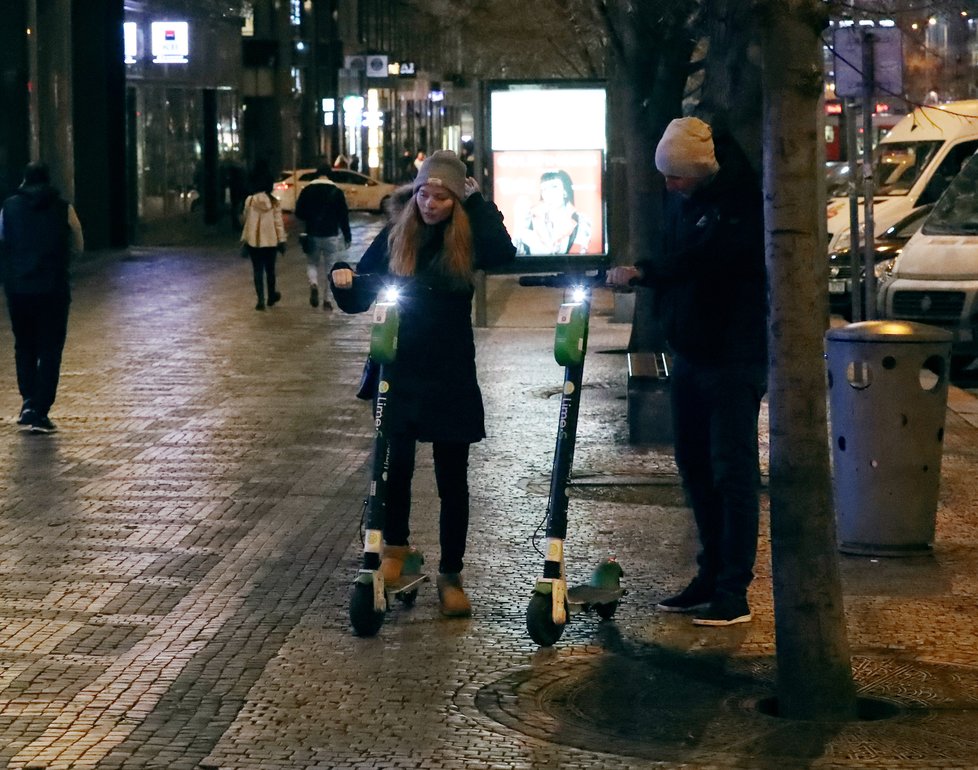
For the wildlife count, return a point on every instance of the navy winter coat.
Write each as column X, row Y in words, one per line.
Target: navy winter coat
column 435, row 392
column 710, row 283
column 39, row 231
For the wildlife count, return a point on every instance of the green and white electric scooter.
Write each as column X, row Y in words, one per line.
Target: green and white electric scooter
column 371, row 598
column 552, row 602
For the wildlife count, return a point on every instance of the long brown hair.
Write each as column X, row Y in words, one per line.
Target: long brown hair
column 406, row 237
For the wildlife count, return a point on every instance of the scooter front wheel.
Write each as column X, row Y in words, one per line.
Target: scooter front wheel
column 365, row 619
column 540, row 622
column 606, row 611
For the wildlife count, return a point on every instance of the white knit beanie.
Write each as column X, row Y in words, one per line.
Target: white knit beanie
column 686, row 150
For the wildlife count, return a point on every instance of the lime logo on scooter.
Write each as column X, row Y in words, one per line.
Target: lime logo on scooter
column 381, row 404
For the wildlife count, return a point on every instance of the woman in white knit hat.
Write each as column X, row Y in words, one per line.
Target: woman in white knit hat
column 431, row 249
column 709, row 282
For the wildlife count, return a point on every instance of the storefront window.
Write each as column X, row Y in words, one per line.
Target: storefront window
column 170, row 130
column 169, row 147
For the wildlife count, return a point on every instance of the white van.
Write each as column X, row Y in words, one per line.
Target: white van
column 934, row 280
column 914, row 162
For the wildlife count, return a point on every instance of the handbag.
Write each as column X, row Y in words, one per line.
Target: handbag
column 369, row 380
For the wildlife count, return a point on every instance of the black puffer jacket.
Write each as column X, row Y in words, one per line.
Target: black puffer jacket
column 435, row 392
column 37, row 241
column 710, row 285
column 322, row 206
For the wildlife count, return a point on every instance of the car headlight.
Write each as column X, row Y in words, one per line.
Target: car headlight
column 884, row 269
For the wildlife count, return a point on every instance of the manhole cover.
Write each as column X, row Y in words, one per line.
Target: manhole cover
column 677, row 707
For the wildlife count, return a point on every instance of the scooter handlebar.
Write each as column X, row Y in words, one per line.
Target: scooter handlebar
column 564, row 280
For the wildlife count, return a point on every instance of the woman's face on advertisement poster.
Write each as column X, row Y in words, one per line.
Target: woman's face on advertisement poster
column 435, row 203
column 552, row 193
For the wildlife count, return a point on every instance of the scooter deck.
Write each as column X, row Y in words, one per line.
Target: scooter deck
column 588, row 595
column 405, row 584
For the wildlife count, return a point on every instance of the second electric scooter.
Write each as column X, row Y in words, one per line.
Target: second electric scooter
column 370, row 598
column 552, row 602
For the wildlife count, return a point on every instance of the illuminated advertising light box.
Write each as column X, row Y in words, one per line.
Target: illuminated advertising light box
column 130, row 42
column 171, row 42
column 548, row 145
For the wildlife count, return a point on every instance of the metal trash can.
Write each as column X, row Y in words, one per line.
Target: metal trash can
column 888, row 383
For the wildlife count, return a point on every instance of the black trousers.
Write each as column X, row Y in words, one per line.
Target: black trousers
column 263, row 266
column 715, row 409
column 451, row 476
column 40, row 327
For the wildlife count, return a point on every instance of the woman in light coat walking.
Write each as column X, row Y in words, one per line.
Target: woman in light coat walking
column 263, row 238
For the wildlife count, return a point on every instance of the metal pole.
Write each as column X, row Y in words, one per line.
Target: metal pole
column 855, row 257
column 33, row 73
column 869, row 243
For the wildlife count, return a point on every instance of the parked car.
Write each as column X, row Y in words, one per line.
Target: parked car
column 935, row 279
column 913, row 164
column 836, row 179
column 290, row 184
column 886, row 249
column 362, row 192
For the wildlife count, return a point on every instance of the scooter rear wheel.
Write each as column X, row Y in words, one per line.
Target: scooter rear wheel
column 365, row 619
column 540, row 622
column 408, row 599
column 606, row 611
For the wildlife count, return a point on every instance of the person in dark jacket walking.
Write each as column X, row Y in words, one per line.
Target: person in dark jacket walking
column 39, row 233
column 710, row 286
column 322, row 207
column 445, row 232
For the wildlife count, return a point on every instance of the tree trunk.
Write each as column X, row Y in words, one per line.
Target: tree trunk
column 731, row 95
column 814, row 671
column 652, row 55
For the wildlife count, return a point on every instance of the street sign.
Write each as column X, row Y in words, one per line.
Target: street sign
column 887, row 46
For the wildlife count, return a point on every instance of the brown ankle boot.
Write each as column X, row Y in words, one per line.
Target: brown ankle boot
column 392, row 562
column 454, row 602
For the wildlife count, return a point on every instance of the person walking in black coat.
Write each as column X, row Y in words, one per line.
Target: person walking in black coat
column 39, row 233
column 710, row 286
column 445, row 232
column 322, row 208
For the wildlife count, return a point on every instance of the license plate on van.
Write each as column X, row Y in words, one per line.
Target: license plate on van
column 838, row 287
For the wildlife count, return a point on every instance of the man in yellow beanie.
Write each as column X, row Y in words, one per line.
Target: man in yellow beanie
column 710, row 288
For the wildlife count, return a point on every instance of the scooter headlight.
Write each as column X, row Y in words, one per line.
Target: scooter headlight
column 390, row 294
column 578, row 294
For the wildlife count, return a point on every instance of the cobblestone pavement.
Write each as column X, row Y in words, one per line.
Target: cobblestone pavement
column 176, row 562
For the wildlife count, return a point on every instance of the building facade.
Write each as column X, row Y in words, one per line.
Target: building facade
column 363, row 81
column 182, row 106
